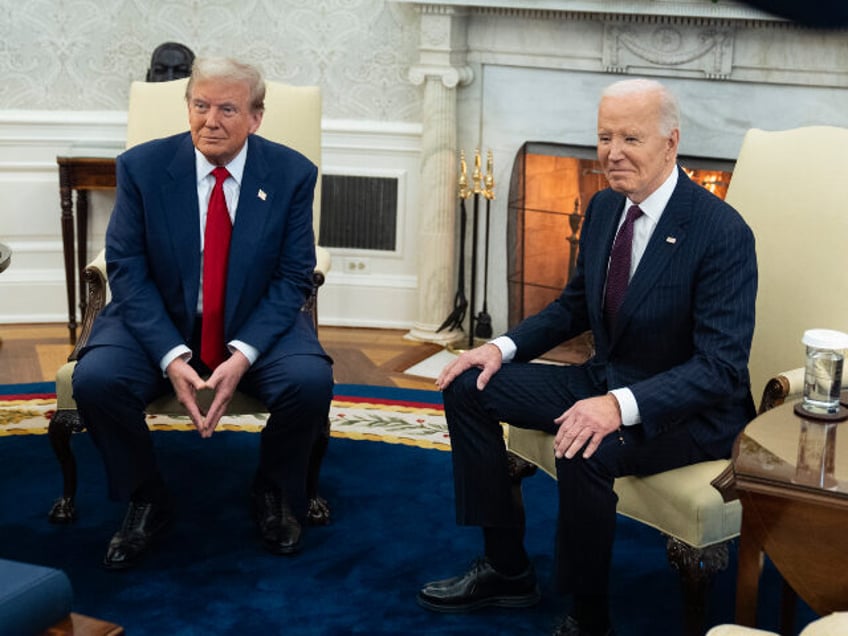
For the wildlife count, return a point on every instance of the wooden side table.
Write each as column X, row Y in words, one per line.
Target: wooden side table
column 80, row 174
column 792, row 479
column 80, row 625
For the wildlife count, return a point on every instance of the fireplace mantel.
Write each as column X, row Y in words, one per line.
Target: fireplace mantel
column 499, row 73
column 721, row 9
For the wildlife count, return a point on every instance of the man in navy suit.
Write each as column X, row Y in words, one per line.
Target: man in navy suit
column 667, row 385
column 147, row 340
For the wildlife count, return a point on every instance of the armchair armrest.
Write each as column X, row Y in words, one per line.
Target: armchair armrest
column 94, row 275
column 323, row 262
column 783, row 386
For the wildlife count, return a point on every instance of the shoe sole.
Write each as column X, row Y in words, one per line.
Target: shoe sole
column 526, row 600
column 282, row 551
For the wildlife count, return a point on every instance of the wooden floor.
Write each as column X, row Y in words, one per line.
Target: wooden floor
column 33, row 353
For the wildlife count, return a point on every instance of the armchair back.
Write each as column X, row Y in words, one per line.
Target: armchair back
column 788, row 185
column 292, row 117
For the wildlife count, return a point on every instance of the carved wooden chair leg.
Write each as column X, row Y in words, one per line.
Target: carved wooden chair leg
column 519, row 468
column 62, row 425
column 697, row 567
column 318, row 511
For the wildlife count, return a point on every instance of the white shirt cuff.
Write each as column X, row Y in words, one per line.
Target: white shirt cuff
column 507, row 347
column 251, row 353
column 180, row 351
column 627, row 404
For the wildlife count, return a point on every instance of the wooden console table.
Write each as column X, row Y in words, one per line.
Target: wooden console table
column 80, row 174
column 792, row 479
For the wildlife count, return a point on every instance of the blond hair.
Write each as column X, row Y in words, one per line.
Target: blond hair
column 229, row 70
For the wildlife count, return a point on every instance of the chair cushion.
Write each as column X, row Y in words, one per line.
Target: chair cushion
column 680, row 503
column 738, row 630
column 241, row 404
column 835, row 624
column 323, row 259
column 64, row 391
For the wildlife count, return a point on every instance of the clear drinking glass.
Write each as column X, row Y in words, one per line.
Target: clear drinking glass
column 823, row 370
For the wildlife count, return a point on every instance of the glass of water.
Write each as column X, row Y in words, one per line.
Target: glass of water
column 823, row 370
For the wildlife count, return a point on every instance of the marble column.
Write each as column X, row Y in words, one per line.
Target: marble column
column 441, row 70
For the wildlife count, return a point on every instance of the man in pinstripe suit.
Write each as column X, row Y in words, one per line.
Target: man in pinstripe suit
column 667, row 385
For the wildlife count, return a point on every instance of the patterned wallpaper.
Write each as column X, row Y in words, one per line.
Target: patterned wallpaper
column 82, row 54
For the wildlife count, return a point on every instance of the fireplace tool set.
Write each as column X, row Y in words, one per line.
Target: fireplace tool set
column 481, row 324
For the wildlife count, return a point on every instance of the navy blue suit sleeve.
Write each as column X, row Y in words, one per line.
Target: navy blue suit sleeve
column 132, row 243
column 723, row 296
column 272, row 273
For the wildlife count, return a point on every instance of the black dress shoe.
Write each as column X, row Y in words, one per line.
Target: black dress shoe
column 142, row 524
column 278, row 527
column 570, row 627
column 481, row 586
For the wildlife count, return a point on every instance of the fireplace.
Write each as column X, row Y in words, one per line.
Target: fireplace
column 549, row 189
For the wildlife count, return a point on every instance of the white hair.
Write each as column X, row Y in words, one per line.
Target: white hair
column 669, row 109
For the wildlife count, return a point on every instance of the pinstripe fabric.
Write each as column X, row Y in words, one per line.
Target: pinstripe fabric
column 683, row 332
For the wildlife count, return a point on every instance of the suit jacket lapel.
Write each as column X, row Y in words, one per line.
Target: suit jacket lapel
column 668, row 236
column 182, row 217
column 256, row 196
column 607, row 219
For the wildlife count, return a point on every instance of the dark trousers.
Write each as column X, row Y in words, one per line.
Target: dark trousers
column 532, row 396
column 112, row 386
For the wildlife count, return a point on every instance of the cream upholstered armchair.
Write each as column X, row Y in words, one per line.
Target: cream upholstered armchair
column 835, row 624
column 158, row 109
column 787, row 186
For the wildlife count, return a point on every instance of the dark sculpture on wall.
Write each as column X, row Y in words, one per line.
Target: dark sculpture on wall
column 170, row 61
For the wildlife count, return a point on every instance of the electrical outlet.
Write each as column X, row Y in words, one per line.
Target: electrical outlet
column 354, row 265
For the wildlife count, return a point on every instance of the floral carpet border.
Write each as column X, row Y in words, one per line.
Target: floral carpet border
column 410, row 417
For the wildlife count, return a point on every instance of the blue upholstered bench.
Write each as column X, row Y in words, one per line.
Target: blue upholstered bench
column 32, row 597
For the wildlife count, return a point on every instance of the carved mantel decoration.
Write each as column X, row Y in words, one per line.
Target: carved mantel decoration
column 632, row 43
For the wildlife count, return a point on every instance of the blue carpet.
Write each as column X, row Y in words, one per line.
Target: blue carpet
column 393, row 529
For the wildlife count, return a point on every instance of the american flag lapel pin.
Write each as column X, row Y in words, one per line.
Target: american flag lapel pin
column 261, row 194
column 670, row 240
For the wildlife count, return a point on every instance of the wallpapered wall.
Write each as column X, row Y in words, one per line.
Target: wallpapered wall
column 82, row 54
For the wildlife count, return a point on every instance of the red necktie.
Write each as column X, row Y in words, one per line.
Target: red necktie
column 618, row 275
column 216, row 249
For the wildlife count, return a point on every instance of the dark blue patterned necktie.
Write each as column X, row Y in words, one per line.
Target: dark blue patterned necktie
column 618, row 274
